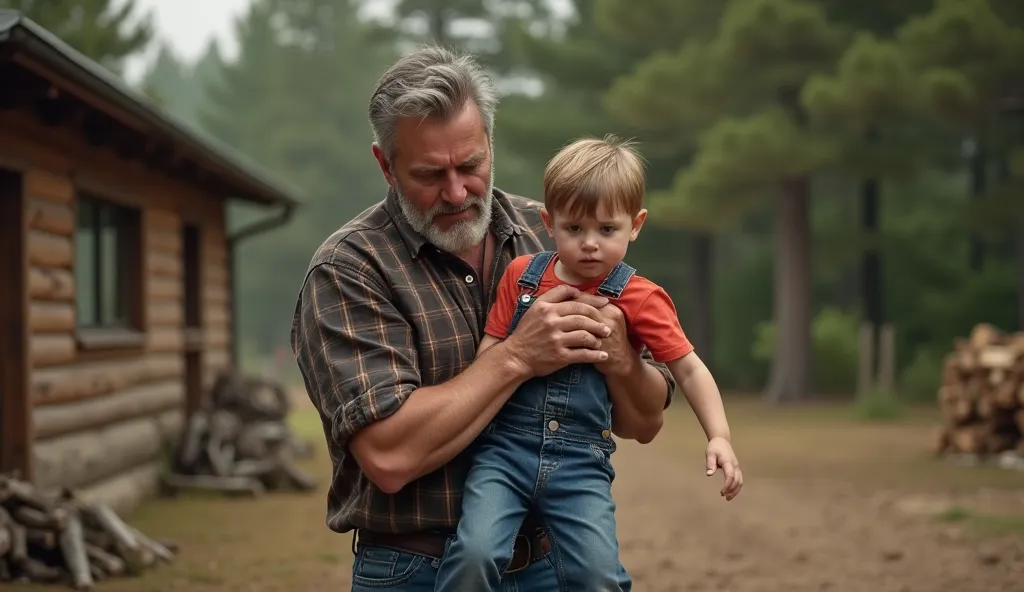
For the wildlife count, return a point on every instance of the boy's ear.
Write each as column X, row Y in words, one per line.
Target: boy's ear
column 638, row 223
column 546, row 217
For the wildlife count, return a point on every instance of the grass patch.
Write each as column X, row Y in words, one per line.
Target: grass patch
column 989, row 523
column 879, row 406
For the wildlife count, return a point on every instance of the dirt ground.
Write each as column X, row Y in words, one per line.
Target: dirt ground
column 830, row 503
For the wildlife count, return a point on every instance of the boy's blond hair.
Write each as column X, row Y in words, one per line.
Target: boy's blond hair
column 590, row 172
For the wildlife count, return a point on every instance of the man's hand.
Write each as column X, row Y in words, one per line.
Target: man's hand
column 622, row 358
column 720, row 454
column 561, row 327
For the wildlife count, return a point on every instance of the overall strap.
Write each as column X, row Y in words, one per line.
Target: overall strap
column 615, row 282
column 530, row 278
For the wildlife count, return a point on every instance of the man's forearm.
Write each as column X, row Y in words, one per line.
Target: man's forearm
column 437, row 422
column 638, row 401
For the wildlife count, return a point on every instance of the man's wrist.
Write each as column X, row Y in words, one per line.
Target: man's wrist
column 512, row 364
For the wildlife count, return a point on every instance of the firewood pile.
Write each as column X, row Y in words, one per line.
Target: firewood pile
column 240, row 443
column 982, row 395
column 60, row 539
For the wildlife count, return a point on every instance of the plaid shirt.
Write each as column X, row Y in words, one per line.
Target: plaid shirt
column 382, row 312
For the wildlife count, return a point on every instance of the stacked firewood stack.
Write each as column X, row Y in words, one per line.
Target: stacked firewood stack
column 240, row 442
column 61, row 539
column 982, row 395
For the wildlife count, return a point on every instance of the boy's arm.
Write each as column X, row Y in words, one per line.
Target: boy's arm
column 485, row 343
column 701, row 391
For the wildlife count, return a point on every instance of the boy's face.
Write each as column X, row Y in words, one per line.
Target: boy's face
column 590, row 246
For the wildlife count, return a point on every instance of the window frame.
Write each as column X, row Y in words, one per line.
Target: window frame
column 129, row 290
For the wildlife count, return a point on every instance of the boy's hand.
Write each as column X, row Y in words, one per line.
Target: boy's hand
column 720, row 454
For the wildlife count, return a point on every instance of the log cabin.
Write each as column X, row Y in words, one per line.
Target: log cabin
column 116, row 269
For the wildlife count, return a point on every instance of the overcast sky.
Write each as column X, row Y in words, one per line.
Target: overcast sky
column 187, row 25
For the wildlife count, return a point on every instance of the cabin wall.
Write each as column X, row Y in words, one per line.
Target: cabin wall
column 102, row 418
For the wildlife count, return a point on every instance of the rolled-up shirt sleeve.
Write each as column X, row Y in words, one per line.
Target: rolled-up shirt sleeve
column 354, row 348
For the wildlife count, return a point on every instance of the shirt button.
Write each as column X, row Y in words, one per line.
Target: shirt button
column 469, row 279
column 553, row 425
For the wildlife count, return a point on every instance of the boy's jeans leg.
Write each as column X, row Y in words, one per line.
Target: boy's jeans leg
column 496, row 499
column 579, row 512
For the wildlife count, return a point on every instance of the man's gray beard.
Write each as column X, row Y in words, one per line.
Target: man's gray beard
column 463, row 235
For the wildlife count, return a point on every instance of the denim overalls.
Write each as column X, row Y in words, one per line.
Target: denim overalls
column 549, row 446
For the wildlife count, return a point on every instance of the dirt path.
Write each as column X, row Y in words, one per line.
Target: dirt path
column 829, row 505
column 779, row 535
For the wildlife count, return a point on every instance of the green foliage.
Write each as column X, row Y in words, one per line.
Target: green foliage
column 920, row 379
column 835, row 349
column 105, row 31
column 878, row 406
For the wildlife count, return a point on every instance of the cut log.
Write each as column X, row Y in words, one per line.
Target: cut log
column 51, row 349
column 166, row 314
column 51, row 317
column 982, row 394
column 237, row 485
column 131, row 403
column 159, row 288
column 72, row 544
column 240, row 438
column 164, row 241
column 78, row 459
column 94, row 379
column 49, row 250
column 163, row 340
column 48, row 283
column 41, row 184
column 54, row 218
column 162, row 264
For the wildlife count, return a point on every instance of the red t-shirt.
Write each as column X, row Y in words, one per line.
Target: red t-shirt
column 651, row 317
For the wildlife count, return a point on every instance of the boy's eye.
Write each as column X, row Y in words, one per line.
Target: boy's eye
column 572, row 228
column 607, row 229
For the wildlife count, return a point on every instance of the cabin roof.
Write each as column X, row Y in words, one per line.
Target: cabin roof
column 25, row 43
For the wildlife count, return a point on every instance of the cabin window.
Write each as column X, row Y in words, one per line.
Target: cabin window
column 106, row 267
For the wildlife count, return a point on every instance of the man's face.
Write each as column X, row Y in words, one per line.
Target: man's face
column 442, row 172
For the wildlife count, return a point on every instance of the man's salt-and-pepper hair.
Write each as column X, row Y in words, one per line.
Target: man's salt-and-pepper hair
column 431, row 82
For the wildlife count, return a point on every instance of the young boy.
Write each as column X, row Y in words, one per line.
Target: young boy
column 550, row 445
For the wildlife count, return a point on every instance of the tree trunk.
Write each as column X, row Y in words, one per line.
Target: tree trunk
column 872, row 292
column 700, row 327
column 790, row 378
column 1019, row 239
column 979, row 181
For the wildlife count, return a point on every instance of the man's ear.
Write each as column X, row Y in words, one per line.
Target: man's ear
column 638, row 223
column 385, row 166
column 546, row 217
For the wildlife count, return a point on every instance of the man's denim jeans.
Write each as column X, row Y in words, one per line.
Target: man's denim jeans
column 381, row 568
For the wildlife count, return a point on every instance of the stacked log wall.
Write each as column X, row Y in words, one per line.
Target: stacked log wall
column 102, row 419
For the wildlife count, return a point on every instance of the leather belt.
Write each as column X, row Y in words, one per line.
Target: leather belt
column 531, row 545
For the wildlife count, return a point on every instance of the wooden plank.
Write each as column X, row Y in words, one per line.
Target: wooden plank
column 165, row 314
column 86, row 380
column 143, row 400
column 49, row 250
column 217, row 339
column 79, row 459
column 50, row 186
column 103, row 172
column 52, row 349
column 215, row 295
column 15, row 411
column 51, row 317
column 48, row 283
column 160, row 264
column 159, row 288
column 58, row 219
column 162, row 340
column 164, row 241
